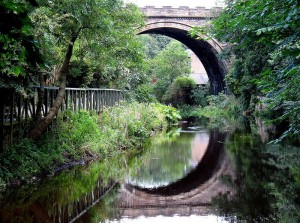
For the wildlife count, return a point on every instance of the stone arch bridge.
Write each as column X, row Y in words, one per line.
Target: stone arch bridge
column 176, row 23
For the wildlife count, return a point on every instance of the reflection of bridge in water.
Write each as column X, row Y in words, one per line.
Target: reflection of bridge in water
column 191, row 195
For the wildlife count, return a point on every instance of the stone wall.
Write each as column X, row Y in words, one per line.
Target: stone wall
column 190, row 16
column 181, row 12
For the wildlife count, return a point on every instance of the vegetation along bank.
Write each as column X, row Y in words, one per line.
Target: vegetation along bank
column 84, row 136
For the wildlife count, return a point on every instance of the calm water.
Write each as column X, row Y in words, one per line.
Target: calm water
column 186, row 175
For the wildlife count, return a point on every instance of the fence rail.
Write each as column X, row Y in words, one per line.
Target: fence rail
column 16, row 112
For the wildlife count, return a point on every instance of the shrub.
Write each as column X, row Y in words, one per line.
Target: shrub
column 145, row 93
column 222, row 112
column 199, row 95
column 81, row 134
column 171, row 114
column 219, row 105
column 186, row 111
column 180, row 92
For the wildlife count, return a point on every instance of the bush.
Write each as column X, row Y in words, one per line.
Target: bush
column 186, row 111
column 83, row 134
column 145, row 93
column 180, row 92
column 223, row 111
column 199, row 95
column 219, row 106
column 171, row 114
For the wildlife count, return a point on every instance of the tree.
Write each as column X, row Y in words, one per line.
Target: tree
column 19, row 56
column 169, row 64
column 265, row 39
column 84, row 30
column 153, row 44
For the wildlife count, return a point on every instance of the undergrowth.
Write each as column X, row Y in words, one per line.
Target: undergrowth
column 84, row 135
column 222, row 111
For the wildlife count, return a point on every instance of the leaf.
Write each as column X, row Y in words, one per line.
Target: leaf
column 17, row 70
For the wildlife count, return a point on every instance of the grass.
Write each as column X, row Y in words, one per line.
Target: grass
column 83, row 135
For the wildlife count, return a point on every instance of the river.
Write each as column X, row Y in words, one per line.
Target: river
column 189, row 174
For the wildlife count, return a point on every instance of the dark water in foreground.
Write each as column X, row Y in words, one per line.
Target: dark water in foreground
column 190, row 175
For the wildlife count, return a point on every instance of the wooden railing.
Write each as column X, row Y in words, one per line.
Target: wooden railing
column 83, row 98
column 16, row 112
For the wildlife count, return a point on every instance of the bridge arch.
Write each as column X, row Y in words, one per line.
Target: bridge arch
column 205, row 50
column 197, row 188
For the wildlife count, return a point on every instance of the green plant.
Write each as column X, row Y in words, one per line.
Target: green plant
column 173, row 61
column 222, row 110
column 171, row 114
column 265, row 57
column 85, row 135
column 180, row 91
column 145, row 93
column 199, row 95
column 186, row 111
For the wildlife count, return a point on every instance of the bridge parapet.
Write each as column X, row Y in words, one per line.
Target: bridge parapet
column 180, row 12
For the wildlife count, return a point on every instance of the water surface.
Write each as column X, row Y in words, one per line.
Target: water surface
column 190, row 175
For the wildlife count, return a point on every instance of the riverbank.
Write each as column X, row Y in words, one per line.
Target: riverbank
column 80, row 137
column 220, row 111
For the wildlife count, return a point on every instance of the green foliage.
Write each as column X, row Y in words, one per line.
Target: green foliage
column 180, row 91
column 172, row 114
column 68, row 142
column 166, row 59
column 153, row 44
column 19, row 50
column 186, row 111
column 81, row 135
column 79, row 131
column 134, row 121
column 169, row 64
column 199, row 95
column 222, row 111
column 265, row 41
column 96, row 25
column 145, row 93
column 218, row 106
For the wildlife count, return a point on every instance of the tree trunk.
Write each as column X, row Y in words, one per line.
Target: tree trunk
column 41, row 90
column 41, row 126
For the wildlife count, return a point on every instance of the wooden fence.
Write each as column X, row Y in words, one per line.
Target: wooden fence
column 16, row 112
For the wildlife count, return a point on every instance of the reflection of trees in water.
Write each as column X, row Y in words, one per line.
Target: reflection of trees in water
column 166, row 161
column 60, row 198
column 266, row 186
column 210, row 163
